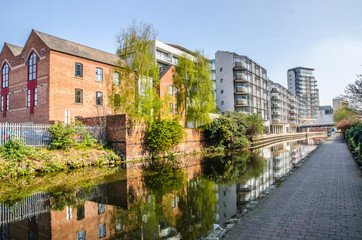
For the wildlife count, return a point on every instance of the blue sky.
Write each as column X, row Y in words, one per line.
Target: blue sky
column 277, row 34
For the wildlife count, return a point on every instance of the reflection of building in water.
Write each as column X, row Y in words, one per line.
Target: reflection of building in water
column 227, row 205
column 28, row 219
column 109, row 210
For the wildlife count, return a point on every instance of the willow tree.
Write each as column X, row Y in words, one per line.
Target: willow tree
column 195, row 97
column 137, row 75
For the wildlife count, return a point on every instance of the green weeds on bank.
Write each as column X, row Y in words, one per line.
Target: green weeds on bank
column 71, row 147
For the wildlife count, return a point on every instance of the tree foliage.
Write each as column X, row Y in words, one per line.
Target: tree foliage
column 353, row 93
column 346, row 117
column 162, row 135
column 135, row 92
column 234, row 130
column 195, row 98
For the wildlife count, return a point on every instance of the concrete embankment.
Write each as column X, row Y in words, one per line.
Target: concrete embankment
column 275, row 138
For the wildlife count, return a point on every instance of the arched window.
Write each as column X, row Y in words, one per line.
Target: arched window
column 32, row 67
column 5, row 76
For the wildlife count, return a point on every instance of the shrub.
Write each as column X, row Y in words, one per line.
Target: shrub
column 62, row 136
column 15, row 150
column 162, row 135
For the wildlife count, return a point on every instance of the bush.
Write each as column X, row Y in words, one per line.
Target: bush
column 162, row 135
column 233, row 130
column 62, row 136
column 15, row 150
column 353, row 137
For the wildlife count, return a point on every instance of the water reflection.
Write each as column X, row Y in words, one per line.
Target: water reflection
column 184, row 200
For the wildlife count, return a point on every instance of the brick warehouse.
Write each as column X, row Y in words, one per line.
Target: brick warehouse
column 52, row 79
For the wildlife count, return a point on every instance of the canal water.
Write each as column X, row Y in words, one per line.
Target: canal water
column 183, row 198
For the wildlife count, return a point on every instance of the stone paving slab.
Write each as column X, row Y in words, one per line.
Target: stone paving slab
column 321, row 200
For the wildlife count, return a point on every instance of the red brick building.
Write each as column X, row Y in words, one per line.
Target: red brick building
column 52, row 79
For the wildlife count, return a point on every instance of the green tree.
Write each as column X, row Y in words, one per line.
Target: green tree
column 195, row 98
column 135, row 91
column 353, row 93
column 346, row 117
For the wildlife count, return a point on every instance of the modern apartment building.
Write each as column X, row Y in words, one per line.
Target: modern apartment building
column 284, row 110
column 52, row 79
column 241, row 85
column 302, row 83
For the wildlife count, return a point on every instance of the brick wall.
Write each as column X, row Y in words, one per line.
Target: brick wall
column 18, row 80
column 130, row 140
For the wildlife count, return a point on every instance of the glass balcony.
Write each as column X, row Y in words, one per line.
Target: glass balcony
column 240, row 77
column 241, row 90
column 276, row 113
column 240, row 66
column 242, row 102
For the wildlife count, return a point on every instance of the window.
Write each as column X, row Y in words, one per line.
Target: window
column 100, row 208
column 222, row 102
column 81, row 235
column 99, row 98
column 116, row 78
column 176, row 109
column 28, row 98
column 171, row 90
column 80, row 212
column 171, row 107
column 176, row 91
column 99, row 74
column 102, row 230
column 2, row 103
column 221, row 69
column 221, row 80
column 119, row 226
column 117, row 100
column 67, row 116
column 32, row 67
column 78, row 95
column 35, row 96
column 222, row 91
column 69, row 212
column 7, row 102
column 173, row 202
column 5, row 76
column 78, row 70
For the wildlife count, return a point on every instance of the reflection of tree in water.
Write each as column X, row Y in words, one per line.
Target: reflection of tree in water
column 146, row 218
column 197, row 209
column 234, row 167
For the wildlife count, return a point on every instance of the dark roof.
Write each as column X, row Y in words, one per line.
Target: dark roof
column 164, row 70
column 16, row 50
column 75, row 49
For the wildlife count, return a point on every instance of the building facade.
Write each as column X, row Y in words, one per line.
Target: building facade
column 303, row 84
column 51, row 79
column 241, row 85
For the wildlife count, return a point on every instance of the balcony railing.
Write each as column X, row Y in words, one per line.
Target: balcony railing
column 276, row 105
column 241, row 89
column 242, row 102
column 240, row 66
column 276, row 113
column 241, row 77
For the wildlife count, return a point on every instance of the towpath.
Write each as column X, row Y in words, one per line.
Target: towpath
column 321, row 200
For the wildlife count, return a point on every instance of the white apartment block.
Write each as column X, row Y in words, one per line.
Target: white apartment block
column 241, row 85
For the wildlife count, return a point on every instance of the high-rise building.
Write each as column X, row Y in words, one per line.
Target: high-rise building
column 302, row 83
column 241, row 85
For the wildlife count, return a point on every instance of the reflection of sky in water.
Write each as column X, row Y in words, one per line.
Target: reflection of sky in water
column 131, row 208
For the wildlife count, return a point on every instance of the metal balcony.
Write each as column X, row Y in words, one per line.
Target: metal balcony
column 276, row 113
column 242, row 102
column 240, row 77
column 275, row 97
column 241, row 90
column 240, row 66
column 276, row 105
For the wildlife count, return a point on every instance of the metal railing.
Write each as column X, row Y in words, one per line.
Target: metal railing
column 33, row 205
column 30, row 134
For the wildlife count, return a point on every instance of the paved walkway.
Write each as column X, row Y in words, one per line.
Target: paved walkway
column 321, row 200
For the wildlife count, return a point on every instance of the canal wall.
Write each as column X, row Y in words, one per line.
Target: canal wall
column 266, row 140
column 130, row 140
